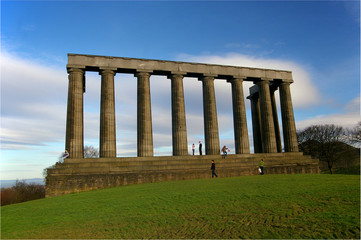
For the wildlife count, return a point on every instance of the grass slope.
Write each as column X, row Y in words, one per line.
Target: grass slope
column 269, row 206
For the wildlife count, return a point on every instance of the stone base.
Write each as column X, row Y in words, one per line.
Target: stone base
column 77, row 175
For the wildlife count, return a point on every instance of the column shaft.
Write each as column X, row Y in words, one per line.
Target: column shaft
column 275, row 120
column 210, row 117
column 107, row 115
column 179, row 129
column 74, row 141
column 144, row 116
column 288, row 120
column 256, row 124
column 239, row 117
column 268, row 131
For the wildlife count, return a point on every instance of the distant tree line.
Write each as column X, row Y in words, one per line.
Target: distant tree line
column 325, row 141
column 22, row 192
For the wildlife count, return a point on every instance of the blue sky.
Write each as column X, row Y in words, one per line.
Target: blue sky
column 319, row 41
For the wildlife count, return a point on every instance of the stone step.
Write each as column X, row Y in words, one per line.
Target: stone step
column 118, row 167
column 130, row 168
column 230, row 159
column 189, row 157
column 177, row 160
column 158, row 162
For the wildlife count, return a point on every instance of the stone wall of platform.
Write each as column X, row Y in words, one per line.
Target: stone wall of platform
column 77, row 175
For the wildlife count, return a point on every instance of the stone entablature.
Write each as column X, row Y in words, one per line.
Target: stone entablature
column 161, row 67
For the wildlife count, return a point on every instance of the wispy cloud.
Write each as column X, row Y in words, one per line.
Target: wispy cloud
column 32, row 103
column 347, row 117
column 302, row 86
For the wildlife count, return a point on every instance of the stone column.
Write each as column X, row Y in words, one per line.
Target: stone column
column 288, row 120
column 256, row 123
column 210, row 116
column 268, row 131
column 275, row 119
column 239, row 117
column 144, row 116
column 74, row 141
column 107, row 115
column 179, row 129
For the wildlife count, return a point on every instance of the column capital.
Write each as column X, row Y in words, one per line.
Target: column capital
column 289, row 81
column 207, row 77
column 142, row 74
column 73, row 69
column 73, row 66
column 107, row 70
column 176, row 74
column 236, row 79
column 285, row 83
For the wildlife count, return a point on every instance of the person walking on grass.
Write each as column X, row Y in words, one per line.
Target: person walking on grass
column 261, row 167
column 213, row 168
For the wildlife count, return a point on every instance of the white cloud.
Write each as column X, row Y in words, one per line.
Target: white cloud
column 302, row 86
column 348, row 117
column 347, row 120
column 33, row 99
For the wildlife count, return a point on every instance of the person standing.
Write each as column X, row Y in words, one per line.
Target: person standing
column 261, row 163
column 200, row 148
column 193, row 148
column 213, row 168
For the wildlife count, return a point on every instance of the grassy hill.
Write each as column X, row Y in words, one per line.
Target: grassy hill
column 269, row 206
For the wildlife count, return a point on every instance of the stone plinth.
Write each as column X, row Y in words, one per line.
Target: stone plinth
column 77, row 175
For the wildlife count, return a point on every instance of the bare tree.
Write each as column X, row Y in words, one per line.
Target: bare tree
column 322, row 141
column 354, row 135
column 90, row 152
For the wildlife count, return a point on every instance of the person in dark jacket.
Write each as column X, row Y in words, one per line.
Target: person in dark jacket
column 200, row 148
column 213, row 168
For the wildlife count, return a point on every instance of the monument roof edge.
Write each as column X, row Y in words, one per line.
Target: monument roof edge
column 181, row 62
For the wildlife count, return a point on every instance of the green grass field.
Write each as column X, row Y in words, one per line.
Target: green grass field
column 269, row 206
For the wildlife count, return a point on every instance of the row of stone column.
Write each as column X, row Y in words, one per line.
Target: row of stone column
column 263, row 116
column 266, row 132
column 179, row 129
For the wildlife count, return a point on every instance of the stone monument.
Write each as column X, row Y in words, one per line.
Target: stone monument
column 80, row 174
